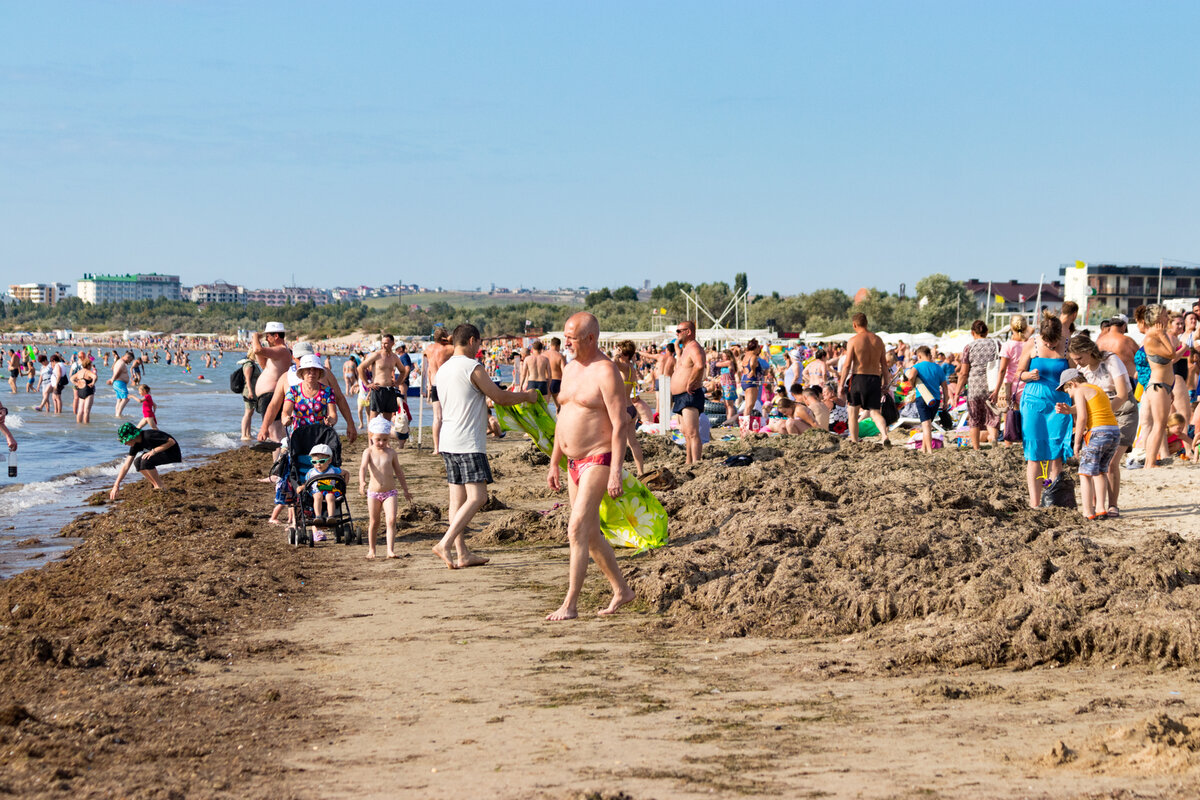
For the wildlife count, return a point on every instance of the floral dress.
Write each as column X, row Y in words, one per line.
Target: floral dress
column 309, row 410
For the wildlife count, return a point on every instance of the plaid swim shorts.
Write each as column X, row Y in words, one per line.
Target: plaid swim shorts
column 464, row 468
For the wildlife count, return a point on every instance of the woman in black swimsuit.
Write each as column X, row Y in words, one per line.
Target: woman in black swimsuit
column 1179, row 394
column 1161, row 355
column 85, row 390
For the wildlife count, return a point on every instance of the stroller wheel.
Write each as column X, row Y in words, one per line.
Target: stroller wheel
column 351, row 537
column 291, row 533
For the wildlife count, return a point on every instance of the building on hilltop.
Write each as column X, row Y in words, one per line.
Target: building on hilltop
column 140, row 286
column 45, row 294
column 217, row 292
column 1127, row 286
column 299, row 294
column 287, row 296
column 272, row 297
column 1015, row 298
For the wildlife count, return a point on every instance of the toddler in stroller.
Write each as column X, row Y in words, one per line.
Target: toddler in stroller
column 315, row 452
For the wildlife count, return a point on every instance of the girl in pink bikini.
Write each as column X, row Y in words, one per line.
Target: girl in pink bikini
column 377, row 478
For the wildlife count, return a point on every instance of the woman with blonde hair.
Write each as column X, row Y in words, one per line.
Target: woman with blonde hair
column 626, row 350
column 1160, row 391
column 1010, row 384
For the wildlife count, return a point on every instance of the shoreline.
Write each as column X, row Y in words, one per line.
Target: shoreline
column 98, row 650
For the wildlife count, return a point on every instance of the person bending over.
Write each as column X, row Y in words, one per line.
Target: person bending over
column 148, row 450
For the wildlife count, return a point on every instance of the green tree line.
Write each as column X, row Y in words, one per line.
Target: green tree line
column 937, row 304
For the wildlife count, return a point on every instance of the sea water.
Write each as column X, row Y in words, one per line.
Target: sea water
column 63, row 463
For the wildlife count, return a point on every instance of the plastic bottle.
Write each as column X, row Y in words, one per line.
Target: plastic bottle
column 12, row 463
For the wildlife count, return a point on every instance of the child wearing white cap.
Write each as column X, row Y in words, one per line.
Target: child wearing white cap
column 325, row 493
column 378, row 475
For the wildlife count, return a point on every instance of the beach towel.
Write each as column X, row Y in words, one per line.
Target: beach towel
column 635, row 519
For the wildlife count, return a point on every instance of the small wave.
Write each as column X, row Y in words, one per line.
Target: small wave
column 36, row 494
column 100, row 470
column 221, row 441
column 15, row 421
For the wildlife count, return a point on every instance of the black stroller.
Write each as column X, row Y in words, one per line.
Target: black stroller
column 301, row 441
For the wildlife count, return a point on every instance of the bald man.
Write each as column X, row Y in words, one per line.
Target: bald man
column 591, row 434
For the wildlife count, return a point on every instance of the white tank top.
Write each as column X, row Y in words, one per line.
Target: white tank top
column 464, row 408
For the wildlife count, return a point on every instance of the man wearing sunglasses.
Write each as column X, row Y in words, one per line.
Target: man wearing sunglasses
column 687, row 387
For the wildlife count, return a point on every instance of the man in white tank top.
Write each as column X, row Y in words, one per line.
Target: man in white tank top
column 463, row 389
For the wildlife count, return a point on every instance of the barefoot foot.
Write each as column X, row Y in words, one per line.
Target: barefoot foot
column 617, row 601
column 440, row 552
column 371, row 553
column 562, row 614
column 472, row 560
column 392, row 555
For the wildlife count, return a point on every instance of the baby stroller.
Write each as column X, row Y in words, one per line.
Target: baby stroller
column 300, row 443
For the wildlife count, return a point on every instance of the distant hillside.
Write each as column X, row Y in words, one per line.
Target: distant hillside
column 471, row 299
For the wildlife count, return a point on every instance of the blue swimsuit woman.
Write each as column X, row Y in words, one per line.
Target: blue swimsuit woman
column 1047, row 434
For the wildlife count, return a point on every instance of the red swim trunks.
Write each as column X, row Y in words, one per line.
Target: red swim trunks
column 578, row 466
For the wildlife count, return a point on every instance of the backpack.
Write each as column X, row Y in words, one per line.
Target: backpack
column 237, row 378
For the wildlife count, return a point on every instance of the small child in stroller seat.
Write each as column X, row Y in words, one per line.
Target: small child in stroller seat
column 325, row 494
column 380, row 463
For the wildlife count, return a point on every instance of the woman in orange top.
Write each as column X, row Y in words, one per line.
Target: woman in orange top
column 1095, row 418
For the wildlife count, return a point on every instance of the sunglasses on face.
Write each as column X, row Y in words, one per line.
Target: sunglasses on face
column 320, row 460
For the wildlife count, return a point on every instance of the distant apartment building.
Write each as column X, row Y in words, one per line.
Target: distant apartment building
column 46, row 294
column 1127, row 286
column 140, row 286
column 298, row 294
column 1015, row 297
column 272, row 297
column 217, row 292
column 287, row 296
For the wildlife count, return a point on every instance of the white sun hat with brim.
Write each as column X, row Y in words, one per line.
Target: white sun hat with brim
column 310, row 362
column 274, row 327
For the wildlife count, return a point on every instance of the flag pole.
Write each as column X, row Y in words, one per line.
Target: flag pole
column 987, row 314
column 421, row 405
column 1037, row 305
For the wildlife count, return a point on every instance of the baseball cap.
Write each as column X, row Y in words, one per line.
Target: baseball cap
column 303, row 349
column 321, row 450
column 273, row 327
column 1121, row 318
column 310, row 362
column 1069, row 375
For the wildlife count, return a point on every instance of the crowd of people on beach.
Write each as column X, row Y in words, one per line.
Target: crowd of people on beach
column 1109, row 401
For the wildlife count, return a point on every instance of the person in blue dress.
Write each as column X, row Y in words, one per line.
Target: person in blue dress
column 1046, row 434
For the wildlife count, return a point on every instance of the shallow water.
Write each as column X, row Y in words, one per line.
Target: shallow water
column 61, row 463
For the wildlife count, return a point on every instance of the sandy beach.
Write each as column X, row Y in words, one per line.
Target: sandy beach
column 832, row 620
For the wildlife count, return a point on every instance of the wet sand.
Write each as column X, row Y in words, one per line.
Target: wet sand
column 184, row 650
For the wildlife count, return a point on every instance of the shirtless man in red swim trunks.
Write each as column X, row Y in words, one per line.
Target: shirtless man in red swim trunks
column 590, row 430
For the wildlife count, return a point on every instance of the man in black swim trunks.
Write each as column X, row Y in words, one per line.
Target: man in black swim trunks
column 535, row 371
column 383, row 365
column 866, row 364
column 556, row 361
column 687, row 388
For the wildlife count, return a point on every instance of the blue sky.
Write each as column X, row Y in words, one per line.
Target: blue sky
column 602, row 143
